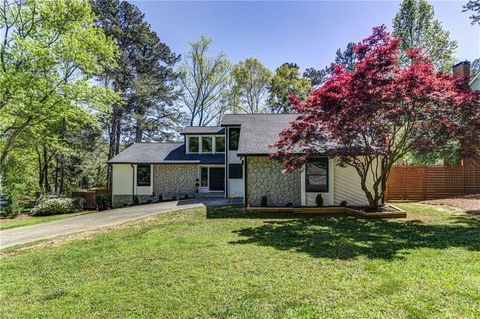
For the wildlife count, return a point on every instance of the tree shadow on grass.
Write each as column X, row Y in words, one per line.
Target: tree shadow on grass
column 350, row 237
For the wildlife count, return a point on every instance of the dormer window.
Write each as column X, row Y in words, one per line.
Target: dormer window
column 193, row 144
column 219, row 144
column 207, row 145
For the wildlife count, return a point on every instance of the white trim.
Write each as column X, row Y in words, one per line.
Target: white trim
column 187, row 147
column 207, row 189
column 200, row 144
column 142, row 190
column 328, row 197
column 475, row 78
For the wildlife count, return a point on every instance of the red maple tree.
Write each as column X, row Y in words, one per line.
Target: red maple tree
column 370, row 117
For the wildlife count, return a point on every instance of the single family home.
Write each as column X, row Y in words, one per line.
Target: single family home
column 230, row 160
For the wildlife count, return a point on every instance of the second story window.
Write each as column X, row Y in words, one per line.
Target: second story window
column 219, row 144
column 207, row 145
column 193, row 144
column 233, row 139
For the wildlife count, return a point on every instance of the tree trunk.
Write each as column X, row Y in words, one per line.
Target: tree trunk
column 45, row 170
column 56, row 176
column 62, row 174
column 114, row 140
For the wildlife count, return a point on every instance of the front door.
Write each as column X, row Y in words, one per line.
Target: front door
column 217, row 179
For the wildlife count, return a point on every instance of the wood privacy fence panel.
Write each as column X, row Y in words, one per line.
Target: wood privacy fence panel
column 432, row 182
column 89, row 196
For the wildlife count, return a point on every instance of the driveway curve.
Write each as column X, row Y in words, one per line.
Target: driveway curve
column 22, row 235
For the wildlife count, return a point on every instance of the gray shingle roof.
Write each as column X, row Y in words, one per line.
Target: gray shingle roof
column 257, row 131
column 163, row 153
column 203, row 130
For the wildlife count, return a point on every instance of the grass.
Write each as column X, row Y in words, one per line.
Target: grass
column 226, row 264
column 32, row 220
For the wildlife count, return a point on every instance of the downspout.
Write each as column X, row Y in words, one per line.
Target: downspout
column 133, row 183
column 245, row 178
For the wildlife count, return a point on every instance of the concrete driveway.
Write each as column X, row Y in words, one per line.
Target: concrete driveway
column 22, row 235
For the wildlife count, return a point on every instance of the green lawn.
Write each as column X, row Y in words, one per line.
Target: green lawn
column 195, row 265
column 32, row 220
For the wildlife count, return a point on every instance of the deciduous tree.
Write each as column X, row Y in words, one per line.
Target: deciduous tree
column 474, row 6
column 205, row 82
column 50, row 50
column 372, row 116
column 250, row 85
column 285, row 82
column 416, row 25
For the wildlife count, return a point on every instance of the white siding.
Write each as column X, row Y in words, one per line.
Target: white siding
column 476, row 85
column 347, row 187
column 122, row 179
column 233, row 158
column 236, row 186
column 309, row 199
column 344, row 184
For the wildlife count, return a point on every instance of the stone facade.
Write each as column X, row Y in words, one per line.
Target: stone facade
column 171, row 180
column 124, row 200
column 265, row 178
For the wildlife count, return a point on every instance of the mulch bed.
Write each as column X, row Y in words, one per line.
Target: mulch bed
column 470, row 203
column 21, row 216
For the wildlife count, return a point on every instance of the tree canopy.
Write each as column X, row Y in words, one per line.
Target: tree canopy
column 285, row 82
column 250, row 85
column 50, row 51
column 474, row 7
column 372, row 116
column 416, row 25
column 205, row 82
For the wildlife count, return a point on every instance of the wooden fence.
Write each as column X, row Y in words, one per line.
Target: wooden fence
column 432, row 182
column 89, row 196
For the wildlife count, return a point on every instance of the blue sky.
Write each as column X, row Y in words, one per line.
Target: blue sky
column 307, row 33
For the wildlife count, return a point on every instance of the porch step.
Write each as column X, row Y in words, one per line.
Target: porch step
column 209, row 195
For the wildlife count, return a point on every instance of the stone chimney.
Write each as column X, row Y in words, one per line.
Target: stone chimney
column 462, row 69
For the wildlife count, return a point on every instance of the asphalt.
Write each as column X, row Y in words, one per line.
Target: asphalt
column 26, row 234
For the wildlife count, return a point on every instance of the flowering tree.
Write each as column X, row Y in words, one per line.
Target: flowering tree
column 372, row 116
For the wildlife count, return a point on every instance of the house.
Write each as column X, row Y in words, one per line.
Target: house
column 230, row 160
column 464, row 69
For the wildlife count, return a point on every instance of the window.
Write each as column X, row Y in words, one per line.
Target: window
column 219, row 144
column 235, row 171
column 193, row 145
column 143, row 175
column 204, row 177
column 233, row 140
column 316, row 175
column 207, row 146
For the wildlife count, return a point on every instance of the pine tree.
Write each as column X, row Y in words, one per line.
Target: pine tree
column 143, row 79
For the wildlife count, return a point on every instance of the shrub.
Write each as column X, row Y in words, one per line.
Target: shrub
column 160, row 198
column 264, row 201
column 79, row 203
column 101, row 202
column 135, row 200
column 54, row 205
column 186, row 196
column 8, row 208
column 343, row 203
column 319, row 200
